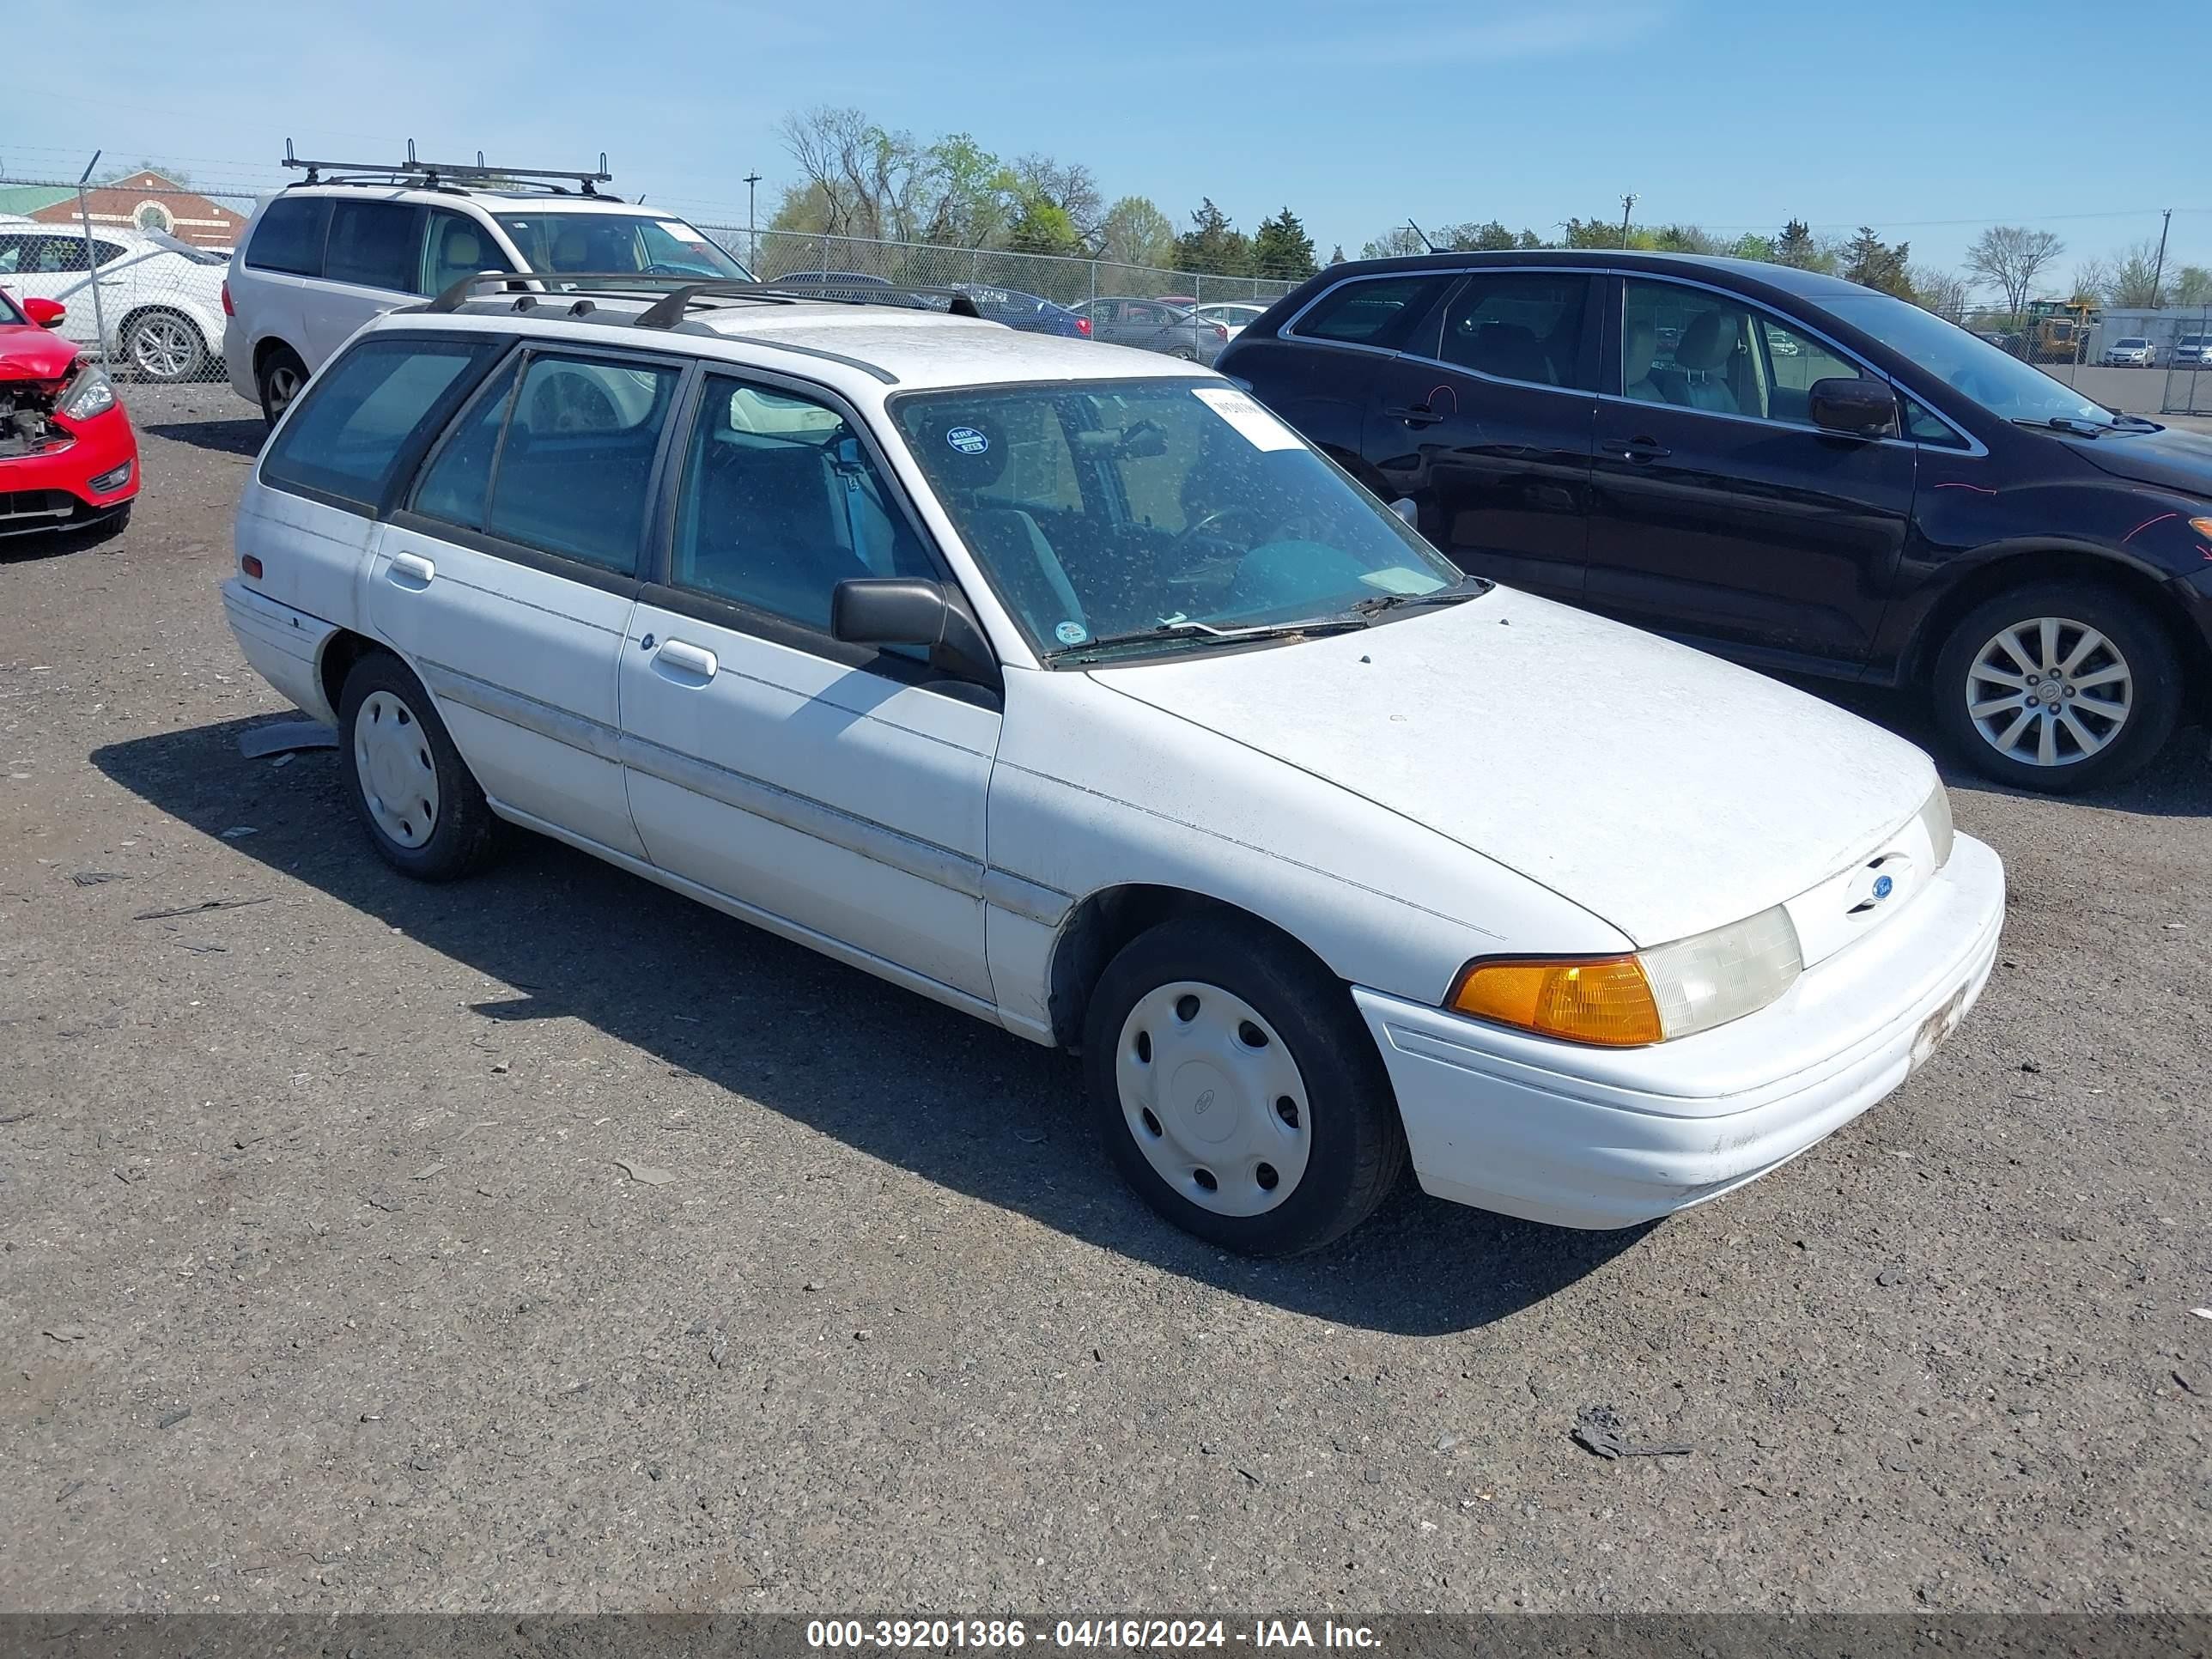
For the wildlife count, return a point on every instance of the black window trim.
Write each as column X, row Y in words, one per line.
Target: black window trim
column 408, row 457
column 660, row 591
column 1974, row 449
column 399, row 506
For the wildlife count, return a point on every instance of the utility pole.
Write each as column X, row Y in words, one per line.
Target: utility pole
column 2160, row 270
column 752, row 236
column 1627, row 202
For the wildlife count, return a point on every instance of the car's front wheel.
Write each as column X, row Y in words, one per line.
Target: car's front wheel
column 165, row 347
column 2058, row 687
column 1236, row 1088
column 410, row 786
column 280, row 376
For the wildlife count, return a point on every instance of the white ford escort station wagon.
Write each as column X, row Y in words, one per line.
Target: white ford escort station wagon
column 1064, row 684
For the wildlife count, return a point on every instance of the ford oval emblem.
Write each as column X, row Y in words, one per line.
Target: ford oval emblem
column 1883, row 887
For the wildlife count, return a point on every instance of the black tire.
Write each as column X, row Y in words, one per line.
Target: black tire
column 280, row 377
column 191, row 363
column 465, row 835
column 2136, row 639
column 1358, row 1146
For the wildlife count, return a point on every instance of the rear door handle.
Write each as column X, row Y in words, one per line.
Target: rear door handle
column 411, row 570
column 687, row 663
column 1414, row 414
column 1637, row 449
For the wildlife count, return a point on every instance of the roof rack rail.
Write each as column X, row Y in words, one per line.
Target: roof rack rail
column 673, row 296
column 436, row 174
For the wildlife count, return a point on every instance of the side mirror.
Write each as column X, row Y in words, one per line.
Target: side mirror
column 47, row 313
column 1860, row 407
column 906, row 611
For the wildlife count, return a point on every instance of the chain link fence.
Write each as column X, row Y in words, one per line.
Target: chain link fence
column 774, row 254
column 138, row 268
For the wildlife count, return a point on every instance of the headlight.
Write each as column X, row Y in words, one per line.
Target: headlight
column 1936, row 818
column 1653, row 996
column 92, row 395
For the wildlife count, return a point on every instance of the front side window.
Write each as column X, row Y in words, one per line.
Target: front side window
column 1199, row 510
column 1518, row 325
column 289, row 235
column 781, row 502
column 551, row 240
column 374, row 244
column 343, row 439
column 1698, row 350
column 455, row 246
column 1377, row 311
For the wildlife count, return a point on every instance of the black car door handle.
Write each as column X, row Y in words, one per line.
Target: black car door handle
column 1636, row 449
column 1414, row 414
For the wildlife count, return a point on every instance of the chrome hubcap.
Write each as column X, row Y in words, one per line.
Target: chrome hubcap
column 398, row 779
column 2050, row 691
column 163, row 347
column 283, row 385
column 1213, row 1098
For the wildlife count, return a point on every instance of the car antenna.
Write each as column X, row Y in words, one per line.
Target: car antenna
column 1424, row 236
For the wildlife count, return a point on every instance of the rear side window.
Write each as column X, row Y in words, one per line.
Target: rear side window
column 561, row 462
column 1377, row 312
column 1518, row 325
column 342, row 441
column 288, row 236
column 375, row 244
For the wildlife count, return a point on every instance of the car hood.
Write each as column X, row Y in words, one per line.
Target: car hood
column 2168, row 460
column 1662, row 789
column 30, row 353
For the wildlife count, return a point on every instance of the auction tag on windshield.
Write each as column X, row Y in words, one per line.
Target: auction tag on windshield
column 1260, row 429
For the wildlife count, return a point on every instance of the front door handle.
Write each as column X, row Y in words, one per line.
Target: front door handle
column 687, row 663
column 411, row 570
column 1639, row 450
column 1414, row 414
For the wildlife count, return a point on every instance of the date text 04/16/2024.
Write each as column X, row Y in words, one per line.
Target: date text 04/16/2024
column 1109, row 1634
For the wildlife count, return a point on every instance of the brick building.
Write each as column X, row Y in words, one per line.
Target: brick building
column 145, row 200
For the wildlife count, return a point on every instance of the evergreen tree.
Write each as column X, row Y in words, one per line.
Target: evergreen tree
column 1872, row 263
column 1282, row 249
column 1214, row 245
column 1794, row 247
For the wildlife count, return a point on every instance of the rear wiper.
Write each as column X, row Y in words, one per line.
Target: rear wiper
column 1183, row 631
column 1468, row 587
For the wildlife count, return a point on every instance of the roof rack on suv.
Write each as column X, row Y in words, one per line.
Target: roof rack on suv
column 673, row 296
column 442, row 175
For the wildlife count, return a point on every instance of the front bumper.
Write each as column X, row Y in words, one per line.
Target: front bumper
column 1608, row 1137
column 282, row 645
column 52, row 488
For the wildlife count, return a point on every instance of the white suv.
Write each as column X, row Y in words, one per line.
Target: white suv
column 1066, row 685
column 320, row 259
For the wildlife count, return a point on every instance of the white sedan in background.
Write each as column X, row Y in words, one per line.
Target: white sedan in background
column 1066, row 685
column 1232, row 314
column 159, row 300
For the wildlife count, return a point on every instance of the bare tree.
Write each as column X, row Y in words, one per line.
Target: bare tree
column 1070, row 187
column 1943, row 292
column 2133, row 277
column 869, row 179
column 2012, row 257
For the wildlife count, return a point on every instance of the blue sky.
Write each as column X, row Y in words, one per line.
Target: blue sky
column 1926, row 120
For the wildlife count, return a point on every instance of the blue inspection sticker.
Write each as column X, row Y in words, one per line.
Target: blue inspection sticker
column 967, row 440
column 1071, row 633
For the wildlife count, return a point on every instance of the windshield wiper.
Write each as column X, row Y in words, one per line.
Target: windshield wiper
column 1183, row 631
column 2072, row 425
column 1468, row 587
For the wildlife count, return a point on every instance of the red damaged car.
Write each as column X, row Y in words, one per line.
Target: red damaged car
column 67, row 457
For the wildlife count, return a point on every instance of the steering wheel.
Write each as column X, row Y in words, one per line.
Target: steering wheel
column 1203, row 527
column 1976, row 386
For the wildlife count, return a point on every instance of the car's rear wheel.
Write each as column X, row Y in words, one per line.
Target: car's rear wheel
column 410, row 786
column 1236, row 1088
column 165, row 346
column 280, row 376
column 2058, row 687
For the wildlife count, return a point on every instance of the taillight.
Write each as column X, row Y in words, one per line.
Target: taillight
column 1082, row 326
column 250, row 565
column 228, row 310
column 1220, row 331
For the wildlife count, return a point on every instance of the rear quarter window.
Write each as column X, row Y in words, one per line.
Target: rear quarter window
column 1379, row 311
column 288, row 236
column 362, row 416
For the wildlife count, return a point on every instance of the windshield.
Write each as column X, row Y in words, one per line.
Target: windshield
column 621, row 243
column 1110, row 508
column 1996, row 379
column 2131, row 345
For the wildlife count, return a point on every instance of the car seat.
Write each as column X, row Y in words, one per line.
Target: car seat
column 1706, row 345
column 1004, row 536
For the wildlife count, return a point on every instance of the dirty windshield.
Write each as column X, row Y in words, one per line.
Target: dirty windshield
column 1106, row 509
column 648, row 244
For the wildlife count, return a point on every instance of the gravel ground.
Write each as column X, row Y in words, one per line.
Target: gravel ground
column 324, row 1288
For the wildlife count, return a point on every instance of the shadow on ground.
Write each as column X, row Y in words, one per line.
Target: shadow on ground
column 887, row 1073
column 243, row 437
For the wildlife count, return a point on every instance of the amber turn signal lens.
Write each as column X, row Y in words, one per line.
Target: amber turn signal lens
column 2202, row 527
column 1604, row 1001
